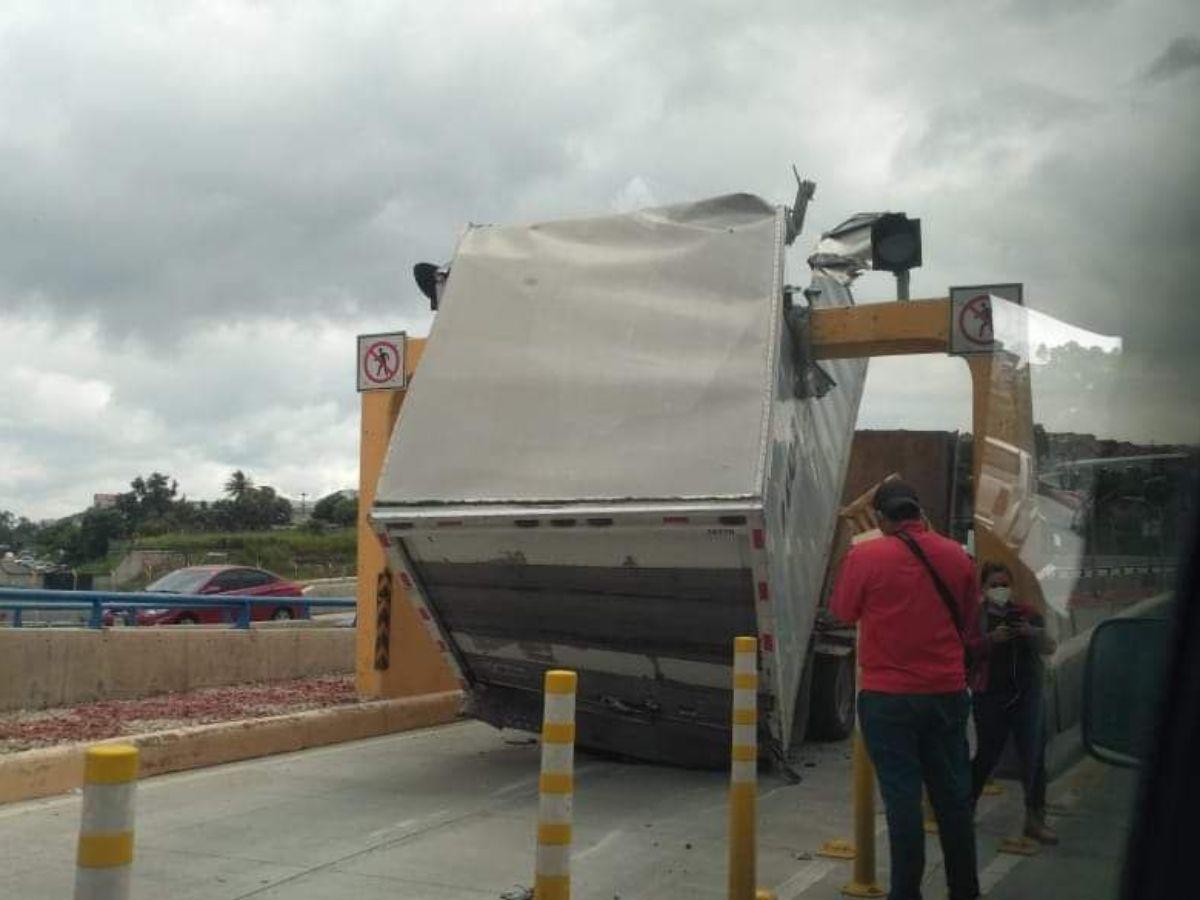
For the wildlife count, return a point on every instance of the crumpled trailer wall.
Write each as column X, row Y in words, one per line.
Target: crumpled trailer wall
column 602, row 465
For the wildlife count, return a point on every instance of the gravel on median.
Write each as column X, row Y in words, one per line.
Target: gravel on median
column 114, row 718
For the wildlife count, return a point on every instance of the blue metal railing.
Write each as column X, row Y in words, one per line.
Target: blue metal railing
column 96, row 603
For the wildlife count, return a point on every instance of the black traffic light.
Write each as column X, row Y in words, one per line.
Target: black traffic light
column 429, row 278
column 895, row 243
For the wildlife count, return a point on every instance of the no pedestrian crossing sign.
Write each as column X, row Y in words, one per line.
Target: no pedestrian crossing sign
column 971, row 322
column 381, row 361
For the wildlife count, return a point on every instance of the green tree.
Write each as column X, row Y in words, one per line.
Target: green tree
column 82, row 539
column 160, row 495
column 61, row 542
column 268, row 508
column 8, row 528
column 238, row 485
column 97, row 530
column 151, row 506
column 25, row 533
column 250, row 508
column 338, row 508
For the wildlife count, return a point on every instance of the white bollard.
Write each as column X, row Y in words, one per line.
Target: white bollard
column 556, row 788
column 743, row 771
column 105, row 854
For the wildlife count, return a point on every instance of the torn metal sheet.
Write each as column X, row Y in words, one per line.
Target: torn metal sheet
column 845, row 250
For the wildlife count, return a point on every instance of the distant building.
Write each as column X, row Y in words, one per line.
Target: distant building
column 104, row 501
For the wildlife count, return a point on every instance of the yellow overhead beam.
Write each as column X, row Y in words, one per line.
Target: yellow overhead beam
column 881, row 329
column 1002, row 415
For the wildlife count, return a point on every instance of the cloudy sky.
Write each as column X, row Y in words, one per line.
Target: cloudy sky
column 201, row 205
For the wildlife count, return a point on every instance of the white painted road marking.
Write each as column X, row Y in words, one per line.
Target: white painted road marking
column 814, row 872
column 999, row 867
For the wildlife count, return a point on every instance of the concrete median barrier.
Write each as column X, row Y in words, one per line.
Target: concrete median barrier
column 41, row 668
column 56, row 770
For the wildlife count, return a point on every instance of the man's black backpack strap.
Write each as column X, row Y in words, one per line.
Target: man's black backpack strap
column 943, row 591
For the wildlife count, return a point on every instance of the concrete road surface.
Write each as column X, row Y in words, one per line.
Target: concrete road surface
column 449, row 813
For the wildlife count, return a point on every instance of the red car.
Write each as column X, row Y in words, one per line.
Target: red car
column 243, row 581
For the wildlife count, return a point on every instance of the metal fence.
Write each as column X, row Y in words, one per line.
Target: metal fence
column 236, row 610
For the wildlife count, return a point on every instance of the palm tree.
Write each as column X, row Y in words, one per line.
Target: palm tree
column 238, row 485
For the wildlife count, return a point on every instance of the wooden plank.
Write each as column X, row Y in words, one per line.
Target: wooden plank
column 881, row 329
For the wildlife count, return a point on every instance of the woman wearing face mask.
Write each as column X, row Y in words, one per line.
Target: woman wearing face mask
column 1008, row 694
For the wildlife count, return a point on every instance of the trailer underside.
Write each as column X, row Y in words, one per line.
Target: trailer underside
column 651, row 646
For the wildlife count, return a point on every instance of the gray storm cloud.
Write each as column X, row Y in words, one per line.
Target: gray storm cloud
column 197, row 199
column 1181, row 55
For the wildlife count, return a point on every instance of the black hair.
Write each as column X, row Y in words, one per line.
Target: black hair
column 896, row 500
column 991, row 567
column 902, row 512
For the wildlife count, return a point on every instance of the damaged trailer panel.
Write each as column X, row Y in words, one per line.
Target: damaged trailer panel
column 603, row 464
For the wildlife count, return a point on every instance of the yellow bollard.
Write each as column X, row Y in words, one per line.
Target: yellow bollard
column 105, row 853
column 928, row 819
column 556, row 788
column 1019, row 846
column 743, row 780
column 993, row 789
column 837, row 848
column 863, row 883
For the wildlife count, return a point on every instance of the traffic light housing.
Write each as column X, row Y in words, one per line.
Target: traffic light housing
column 895, row 243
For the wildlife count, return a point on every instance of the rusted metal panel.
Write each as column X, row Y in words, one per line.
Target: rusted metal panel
column 925, row 459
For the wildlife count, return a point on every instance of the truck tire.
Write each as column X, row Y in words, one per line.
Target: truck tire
column 831, row 715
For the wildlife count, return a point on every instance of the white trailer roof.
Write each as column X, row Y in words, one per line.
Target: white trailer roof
column 614, row 358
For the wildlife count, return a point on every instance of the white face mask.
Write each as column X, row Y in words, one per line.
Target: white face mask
column 999, row 595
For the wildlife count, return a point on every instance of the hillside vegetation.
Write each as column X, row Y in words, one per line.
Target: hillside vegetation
column 294, row 553
column 252, row 525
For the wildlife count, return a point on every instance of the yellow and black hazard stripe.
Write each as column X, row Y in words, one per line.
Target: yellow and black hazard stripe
column 383, row 620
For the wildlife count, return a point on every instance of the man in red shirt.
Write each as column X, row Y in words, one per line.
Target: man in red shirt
column 913, row 704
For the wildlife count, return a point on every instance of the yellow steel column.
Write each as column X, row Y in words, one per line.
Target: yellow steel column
column 1002, row 409
column 405, row 662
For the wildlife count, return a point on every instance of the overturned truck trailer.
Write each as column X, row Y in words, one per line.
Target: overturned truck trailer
column 616, row 457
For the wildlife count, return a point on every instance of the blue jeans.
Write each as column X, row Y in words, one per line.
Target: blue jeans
column 915, row 739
